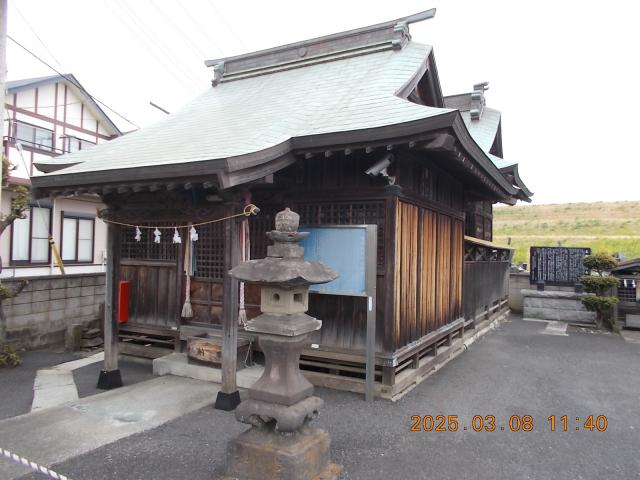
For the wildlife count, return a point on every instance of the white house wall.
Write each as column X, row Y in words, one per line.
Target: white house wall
column 83, row 206
column 59, row 108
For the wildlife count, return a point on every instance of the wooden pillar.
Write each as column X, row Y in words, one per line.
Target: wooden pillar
column 110, row 376
column 228, row 397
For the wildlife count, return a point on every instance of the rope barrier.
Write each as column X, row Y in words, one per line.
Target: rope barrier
column 33, row 465
column 249, row 210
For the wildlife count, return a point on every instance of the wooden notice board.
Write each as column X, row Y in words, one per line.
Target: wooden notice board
column 351, row 250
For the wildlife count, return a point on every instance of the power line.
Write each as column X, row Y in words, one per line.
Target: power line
column 142, row 42
column 202, row 31
column 165, row 49
column 176, row 29
column 224, row 20
column 72, row 81
column 24, row 19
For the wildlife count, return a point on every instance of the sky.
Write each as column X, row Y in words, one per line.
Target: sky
column 563, row 73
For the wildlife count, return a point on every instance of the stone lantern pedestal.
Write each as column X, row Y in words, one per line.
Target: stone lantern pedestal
column 280, row 443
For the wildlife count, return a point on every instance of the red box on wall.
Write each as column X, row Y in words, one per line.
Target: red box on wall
column 123, row 301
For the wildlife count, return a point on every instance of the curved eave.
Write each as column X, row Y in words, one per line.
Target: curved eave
column 236, row 170
column 513, row 170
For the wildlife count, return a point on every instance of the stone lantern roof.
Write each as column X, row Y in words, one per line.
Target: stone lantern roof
column 284, row 265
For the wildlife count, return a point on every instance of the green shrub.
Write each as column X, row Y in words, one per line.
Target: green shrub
column 597, row 284
column 9, row 357
column 600, row 283
column 600, row 262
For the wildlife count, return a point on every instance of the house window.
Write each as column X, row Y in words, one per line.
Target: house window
column 77, row 238
column 73, row 144
column 30, row 236
column 32, row 136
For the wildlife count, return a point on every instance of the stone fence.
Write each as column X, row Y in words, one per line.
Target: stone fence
column 519, row 281
column 40, row 314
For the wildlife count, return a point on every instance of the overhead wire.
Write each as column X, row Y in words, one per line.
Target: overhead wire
column 24, row 19
column 229, row 27
column 166, row 50
column 197, row 25
column 183, row 37
column 72, row 81
column 135, row 32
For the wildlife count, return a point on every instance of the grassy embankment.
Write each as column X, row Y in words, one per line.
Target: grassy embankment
column 609, row 227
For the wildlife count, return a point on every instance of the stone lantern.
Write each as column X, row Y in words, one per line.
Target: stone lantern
column 280, row 443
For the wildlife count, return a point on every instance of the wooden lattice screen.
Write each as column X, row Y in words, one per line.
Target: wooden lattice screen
column 146, row 249
column 347, row 213
column 209, row 252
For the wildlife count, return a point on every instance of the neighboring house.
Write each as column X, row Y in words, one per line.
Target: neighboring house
column 46, row 117
column 629, row 292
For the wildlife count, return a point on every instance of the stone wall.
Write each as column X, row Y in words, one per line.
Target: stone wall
column 519, row 281
column 40, row 314
column 558, row 306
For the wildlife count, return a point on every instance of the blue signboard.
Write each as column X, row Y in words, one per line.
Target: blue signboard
column 344, row 250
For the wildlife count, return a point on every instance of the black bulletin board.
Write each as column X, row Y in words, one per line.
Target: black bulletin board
column 557, row 265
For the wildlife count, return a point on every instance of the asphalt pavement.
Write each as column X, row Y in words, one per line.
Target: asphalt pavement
column 16, row 383
column 514, row 371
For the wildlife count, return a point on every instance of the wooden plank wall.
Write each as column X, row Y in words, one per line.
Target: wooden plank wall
column 154, row 299
column 428, row 272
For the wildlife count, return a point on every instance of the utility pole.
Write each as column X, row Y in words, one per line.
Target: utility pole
column 3, row 73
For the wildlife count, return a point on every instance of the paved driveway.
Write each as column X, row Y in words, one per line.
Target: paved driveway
column 516, row 370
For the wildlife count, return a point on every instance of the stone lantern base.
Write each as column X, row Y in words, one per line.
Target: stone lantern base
column 262, row 454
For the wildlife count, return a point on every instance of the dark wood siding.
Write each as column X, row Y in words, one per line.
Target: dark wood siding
column 428, row 272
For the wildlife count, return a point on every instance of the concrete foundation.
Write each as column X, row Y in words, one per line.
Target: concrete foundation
column 556, row 306
column 177, row 364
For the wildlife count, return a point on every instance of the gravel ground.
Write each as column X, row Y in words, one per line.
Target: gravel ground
column 515, row 370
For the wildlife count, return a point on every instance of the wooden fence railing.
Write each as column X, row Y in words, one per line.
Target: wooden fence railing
column 485, row 278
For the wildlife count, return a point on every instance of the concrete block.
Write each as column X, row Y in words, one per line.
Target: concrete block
column 38, row 307
column 40, row 296
column 55, row 315
column 101, row 279
column 58, row 283
column 560, row 315
column 20, row 309
column 23, row 297
column 57, row 304
column 33, row 319
column 74, row 281
column 177, row 364
column 73, row 302
column 58, row 293
column 90, row 300
column 99, row 290
column 73, row 292
column 87, row 310
column 40, row 284
column 84, row 291
column 559, row 303
column 72, row 312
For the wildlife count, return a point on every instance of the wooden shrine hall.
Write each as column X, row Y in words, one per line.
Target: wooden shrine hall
column 349, row 129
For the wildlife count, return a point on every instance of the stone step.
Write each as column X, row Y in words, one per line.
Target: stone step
column 177, row 364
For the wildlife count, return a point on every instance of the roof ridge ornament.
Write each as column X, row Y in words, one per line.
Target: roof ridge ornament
column 477, row 100
column 401, row 35
column 390, row 35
